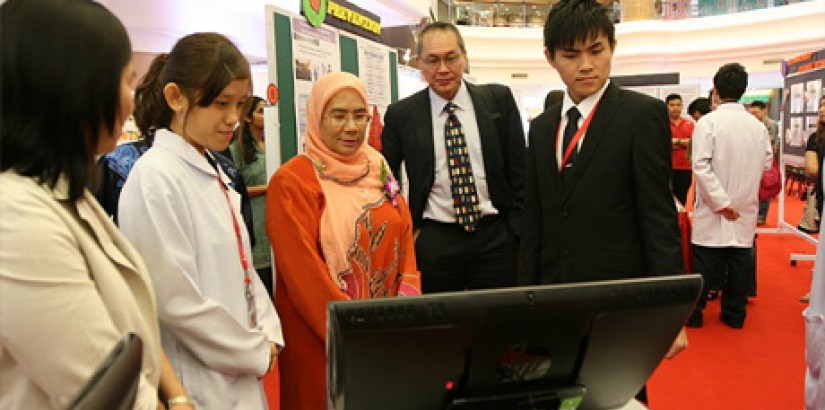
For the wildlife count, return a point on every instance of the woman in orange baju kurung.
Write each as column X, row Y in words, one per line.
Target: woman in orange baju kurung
column 339, row 230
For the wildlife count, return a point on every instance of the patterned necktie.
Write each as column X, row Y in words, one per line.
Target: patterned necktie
column 462, row 183
column 570, row 130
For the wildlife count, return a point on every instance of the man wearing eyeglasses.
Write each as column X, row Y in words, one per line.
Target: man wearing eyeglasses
column 463, row 149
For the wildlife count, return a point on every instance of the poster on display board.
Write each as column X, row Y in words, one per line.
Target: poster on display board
column 372, row 69
column 298, row 54
column 314, row 53
column 804, row 86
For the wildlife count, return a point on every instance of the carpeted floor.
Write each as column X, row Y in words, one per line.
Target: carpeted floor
column 760, row 366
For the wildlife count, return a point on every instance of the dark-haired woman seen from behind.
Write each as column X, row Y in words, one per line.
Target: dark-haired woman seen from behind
column 218, row 324
column 71, row 286
column 248, row 152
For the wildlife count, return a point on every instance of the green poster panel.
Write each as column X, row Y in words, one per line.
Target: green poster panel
column 349, row 54
column 393, row 77
column 286, row 87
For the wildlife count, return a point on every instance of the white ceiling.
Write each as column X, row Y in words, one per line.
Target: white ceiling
column 155, row 25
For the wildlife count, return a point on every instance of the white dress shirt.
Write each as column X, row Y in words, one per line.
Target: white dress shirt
column 731, row 150
column 440, row 202
column 585, row 107
column 176, row 215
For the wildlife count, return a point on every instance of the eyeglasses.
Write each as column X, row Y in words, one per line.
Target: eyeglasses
column 451, row 60
column 339, row 119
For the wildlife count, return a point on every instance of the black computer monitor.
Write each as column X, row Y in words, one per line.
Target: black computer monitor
column 520, row 348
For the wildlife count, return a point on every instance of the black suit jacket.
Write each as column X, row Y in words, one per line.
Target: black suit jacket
column 614, row 217
column 408, row 136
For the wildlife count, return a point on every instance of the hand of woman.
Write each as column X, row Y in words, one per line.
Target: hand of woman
column 273, row 356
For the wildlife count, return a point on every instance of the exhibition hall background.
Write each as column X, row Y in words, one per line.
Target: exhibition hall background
column 692, row 47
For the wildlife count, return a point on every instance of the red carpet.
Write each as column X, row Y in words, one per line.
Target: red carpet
column 761, row 366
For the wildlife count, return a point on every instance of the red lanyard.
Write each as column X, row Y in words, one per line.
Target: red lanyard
column 250, row 296
column 576, row 138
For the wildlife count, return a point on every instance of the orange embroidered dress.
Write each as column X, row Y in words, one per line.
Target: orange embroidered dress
column 381, row 263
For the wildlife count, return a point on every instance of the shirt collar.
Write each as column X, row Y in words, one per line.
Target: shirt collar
column 732, row 106
column 586, row 105
column 175, row 143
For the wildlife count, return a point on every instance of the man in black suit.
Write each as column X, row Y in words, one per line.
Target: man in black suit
column 598, row 203
column 463, row 149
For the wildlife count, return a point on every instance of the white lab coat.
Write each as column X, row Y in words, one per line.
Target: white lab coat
column 176, row 215
column 731, row 150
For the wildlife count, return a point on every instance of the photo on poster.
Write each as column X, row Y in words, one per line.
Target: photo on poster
column 813, row 90
column 303, row 70
column 796, row 133
column 811, row 129
column 798, row 98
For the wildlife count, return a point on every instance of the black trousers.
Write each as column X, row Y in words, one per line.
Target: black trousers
column 731, row 266
column 716, row 281
column 451, row 259
column 681, row 183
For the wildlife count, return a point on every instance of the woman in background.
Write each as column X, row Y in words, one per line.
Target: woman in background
column 71, row 286
column 249, row 154
column 217, row 322
column 814, row 153
column 339, row 230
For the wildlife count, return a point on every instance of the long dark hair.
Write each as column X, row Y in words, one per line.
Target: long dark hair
column 201, row 65
column 243, row 137
column 63, row 62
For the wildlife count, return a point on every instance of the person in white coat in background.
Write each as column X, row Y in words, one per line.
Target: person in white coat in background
column 218, row 324
column 731, row 150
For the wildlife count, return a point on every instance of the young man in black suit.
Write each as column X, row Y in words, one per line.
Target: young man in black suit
column 598, row 203
column 465, row 167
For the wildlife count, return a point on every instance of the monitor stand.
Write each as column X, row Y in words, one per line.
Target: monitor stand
column 567, row 398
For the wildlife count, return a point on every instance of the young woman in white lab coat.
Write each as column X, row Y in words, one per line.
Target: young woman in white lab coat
column 218, row 325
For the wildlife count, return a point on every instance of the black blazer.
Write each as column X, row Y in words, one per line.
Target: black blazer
column 408, row 136
column 614, row 217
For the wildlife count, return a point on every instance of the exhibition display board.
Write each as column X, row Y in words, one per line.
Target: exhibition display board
column 804, row 85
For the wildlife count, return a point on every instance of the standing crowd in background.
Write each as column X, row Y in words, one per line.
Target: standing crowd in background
column 225, row 274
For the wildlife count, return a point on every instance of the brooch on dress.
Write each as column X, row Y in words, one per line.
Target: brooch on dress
column 389, row 184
